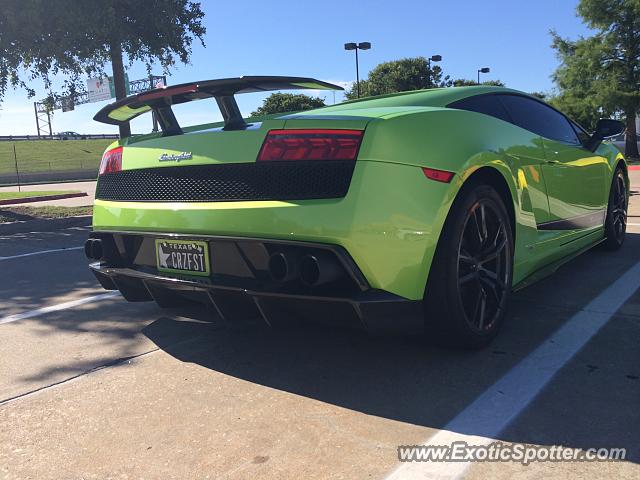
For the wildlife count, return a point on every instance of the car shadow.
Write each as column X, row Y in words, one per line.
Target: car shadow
column 409, row 380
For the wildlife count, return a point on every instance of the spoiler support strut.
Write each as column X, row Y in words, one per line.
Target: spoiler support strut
column 231, row 113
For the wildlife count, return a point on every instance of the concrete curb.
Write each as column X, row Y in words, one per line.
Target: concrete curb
column 42, row 198
column 44, row 225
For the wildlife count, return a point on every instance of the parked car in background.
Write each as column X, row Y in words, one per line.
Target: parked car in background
column 71, row 136
column 620, row 141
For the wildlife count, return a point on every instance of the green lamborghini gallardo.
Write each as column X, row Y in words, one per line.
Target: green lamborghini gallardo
column 420, row 211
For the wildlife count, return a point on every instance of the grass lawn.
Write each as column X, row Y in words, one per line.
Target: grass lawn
column 43, row 193
column 51, row 155
column 14, row 214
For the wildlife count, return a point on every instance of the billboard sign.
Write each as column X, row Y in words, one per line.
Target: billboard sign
column 100, row 89
column 112, row 86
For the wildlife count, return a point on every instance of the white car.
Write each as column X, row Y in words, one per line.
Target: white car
column 620, row 142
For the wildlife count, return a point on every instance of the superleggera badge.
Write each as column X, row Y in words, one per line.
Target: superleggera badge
column 175, row 157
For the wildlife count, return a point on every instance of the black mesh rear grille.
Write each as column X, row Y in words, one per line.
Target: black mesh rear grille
column 286, row 180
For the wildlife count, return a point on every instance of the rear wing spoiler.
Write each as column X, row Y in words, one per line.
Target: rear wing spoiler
column 159, row 101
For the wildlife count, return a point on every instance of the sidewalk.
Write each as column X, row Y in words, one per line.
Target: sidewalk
column 88, row 187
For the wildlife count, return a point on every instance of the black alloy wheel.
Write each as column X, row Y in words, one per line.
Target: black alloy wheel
column 469, row 284
column 615, row 226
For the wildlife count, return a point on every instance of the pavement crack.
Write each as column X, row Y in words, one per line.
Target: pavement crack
column 112, row 363
column 103, row 366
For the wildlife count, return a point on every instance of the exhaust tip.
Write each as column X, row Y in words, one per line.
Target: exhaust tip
column 280, row 268
column 309, row 270
column 93, row 249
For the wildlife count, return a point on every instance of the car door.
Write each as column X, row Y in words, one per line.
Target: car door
column 574, row 176
column 527, row 152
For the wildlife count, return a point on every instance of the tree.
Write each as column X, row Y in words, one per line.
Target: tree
column 40, row 39
column 287, row 102
column 540, row 95
column 580, row 94
column 464, row 82
column 399, row 76
column 599, row 76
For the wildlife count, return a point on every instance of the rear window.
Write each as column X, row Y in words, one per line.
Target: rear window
column 486, row 104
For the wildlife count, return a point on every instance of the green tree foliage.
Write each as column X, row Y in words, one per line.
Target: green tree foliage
column 599, row 76
column 581, row 94
column 408, row 74
column 40, row 39
column 540, row 95
column 287, row 102
column 399, row 76
column 464, row 82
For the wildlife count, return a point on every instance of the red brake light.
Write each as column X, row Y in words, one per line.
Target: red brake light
column 438, row 175
column 316, row 144
column 111, row 161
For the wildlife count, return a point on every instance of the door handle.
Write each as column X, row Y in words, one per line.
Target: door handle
column 553, row 162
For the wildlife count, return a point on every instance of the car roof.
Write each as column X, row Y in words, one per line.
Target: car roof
column 434, row 97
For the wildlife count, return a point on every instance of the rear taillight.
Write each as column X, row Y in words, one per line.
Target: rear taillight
column 311, row 145
column 111, row 161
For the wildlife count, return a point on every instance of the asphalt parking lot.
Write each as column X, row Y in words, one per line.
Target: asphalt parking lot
column 93, row 387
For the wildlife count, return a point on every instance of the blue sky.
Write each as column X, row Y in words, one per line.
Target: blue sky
column 306, row 39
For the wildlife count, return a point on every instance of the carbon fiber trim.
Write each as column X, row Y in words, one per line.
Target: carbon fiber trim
column 587, row 220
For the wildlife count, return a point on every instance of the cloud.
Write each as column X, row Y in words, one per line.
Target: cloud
column 329, row 95
column 346, row 84
column 15, row 110
column 319, row 93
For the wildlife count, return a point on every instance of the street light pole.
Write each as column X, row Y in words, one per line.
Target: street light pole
column 482, row 70
column 435, row 58
column 357, row 72
column 356, row 47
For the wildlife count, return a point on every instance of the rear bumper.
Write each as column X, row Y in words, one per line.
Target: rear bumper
column 389, row 222
column 240, row 287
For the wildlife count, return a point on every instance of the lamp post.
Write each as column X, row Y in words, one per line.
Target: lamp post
column 432, row 58
column 356, row 47
column 482, row 70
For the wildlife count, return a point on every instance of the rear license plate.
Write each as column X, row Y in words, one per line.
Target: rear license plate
column 182, row 256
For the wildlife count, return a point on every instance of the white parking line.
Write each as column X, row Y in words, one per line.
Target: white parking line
column 483, row 420
column 41, row 252
column 56, row 308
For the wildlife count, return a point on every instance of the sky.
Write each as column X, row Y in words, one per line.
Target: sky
column 284, row 37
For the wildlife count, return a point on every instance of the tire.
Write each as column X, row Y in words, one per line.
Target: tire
column 467, row 293
column 615, row 225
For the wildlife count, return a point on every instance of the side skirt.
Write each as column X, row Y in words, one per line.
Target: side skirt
column 554, row 266
column 587, row 220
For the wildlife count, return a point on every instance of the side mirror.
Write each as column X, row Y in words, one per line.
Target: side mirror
column 604, row 129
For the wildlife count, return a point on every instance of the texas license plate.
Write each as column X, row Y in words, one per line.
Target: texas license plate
column 182, row 256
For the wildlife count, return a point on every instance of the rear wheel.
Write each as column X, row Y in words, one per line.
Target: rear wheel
column 470, row 280
column 615, row 225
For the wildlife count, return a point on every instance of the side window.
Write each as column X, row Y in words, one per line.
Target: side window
column 487, row 104
column 583, row 136
column 539, row 118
